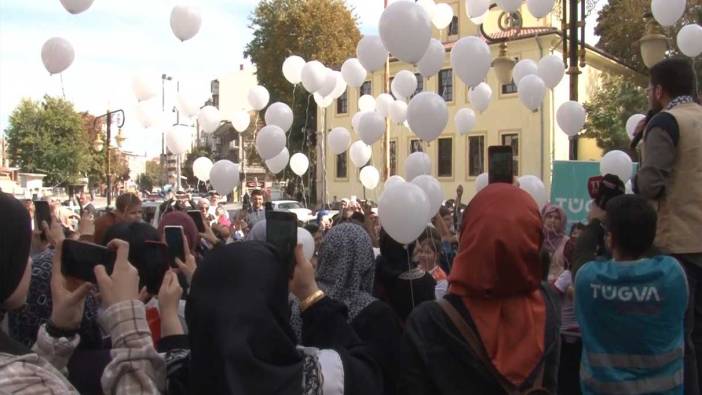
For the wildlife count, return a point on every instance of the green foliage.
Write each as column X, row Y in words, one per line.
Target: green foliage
column 48, row 137
column 150, row 178
column 324, row 30
column 145, row 182
column 615, row 100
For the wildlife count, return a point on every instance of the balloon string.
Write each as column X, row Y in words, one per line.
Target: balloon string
column 302, row 184
column 304, row 129
column 63, row 91
column 292, row 106
column 409, row 269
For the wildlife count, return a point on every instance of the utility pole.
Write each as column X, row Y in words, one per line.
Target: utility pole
column 571, row 41
column 386, row 139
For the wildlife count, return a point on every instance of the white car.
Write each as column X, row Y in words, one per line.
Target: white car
column 303, row 214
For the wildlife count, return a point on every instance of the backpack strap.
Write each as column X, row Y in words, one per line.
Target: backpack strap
column 474, row 342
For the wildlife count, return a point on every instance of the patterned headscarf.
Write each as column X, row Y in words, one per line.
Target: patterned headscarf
column 553, row 238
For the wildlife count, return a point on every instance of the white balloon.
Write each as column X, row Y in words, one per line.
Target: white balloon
column 338, row 140
column 405, row 30
column 481, row 182
column 224, row 176
column 531, row 91
column 471, row 60
column 398, row 111
column 149, row 114
column 535, row 188
column 618, row 163
column 305, row 239
column 690, row 40
column 185, row 22
column 442, row 16
column 270, row 141
column 479, row 20
column 432, row 188
column 540, row 8
column 188, row 103
column 209, row 118
column 429, row 6
column 551, row 70
column 427, row 115
column 299, row 163
column 356, row 120
column 366, row 103
column 509, row 5
column 524, row 68
column 313, row 76
column 392, row 181
column 667, row 12
column 340, row 86
column 433, row 59
column 571, row 117
column 369, row 177
column 76, row 6
column 477, row 8
column 202, row 167
column 329, row 83
column 480, row 97
column 393, row 209
column 360, row 153
column 241, row 121
column 628, row 188
column 632, row 123
column 292, row 69
column 258, row 97
column 383, row 103
column 404, row 84
column 322, row 101
column 465, row 120
column 279, row 162
column 371, row 128
column 178, row 139
column 57, row 54
column 417, row 164
column 353, row 72
column 371, row 53
column 144, row 88
column 280, row 115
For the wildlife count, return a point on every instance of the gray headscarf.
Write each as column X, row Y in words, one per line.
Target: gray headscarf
column 346, row 270
column 258, row 232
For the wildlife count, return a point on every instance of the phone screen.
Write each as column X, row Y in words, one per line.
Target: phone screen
column 500, row 164
column 197, row 217
column 174, row 240
column 79, row 258
column 42, row 213
column 281, row 231
column 152, row 264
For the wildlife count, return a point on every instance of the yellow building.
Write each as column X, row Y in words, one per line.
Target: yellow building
column 459, row 159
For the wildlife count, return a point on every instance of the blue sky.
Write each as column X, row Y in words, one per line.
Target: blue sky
column 115, row 39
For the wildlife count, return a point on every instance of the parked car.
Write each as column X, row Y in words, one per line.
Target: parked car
column 151, row 212
column 303, row 214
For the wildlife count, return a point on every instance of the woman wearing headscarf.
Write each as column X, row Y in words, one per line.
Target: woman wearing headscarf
column 135, row 367
column 496, row 332
column 398, row 280
column 345, row 272
column 554, row 226
column 240, row 338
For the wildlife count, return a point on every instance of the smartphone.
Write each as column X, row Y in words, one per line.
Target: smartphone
column 281, row 231
column 174, row 240
column 42, row 212
column 500, row 164
column 197, row 217
column 152, row 263
column 79, row 258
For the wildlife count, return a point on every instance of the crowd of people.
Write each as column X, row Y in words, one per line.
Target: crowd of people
column 496, row 297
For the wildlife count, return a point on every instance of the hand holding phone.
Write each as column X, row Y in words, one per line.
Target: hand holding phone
column 500, row 164
column 123, row 284
column 79, row 259
column 67, row 303
column 281, row 231
column 196, row 215
column 174, row 239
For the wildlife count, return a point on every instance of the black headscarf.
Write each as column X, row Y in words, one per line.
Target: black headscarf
column 15, row 241
column 394, row 259
column 238, row 317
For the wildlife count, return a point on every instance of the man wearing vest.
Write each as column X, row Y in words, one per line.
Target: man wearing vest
column 631, row 309
column 671, row 177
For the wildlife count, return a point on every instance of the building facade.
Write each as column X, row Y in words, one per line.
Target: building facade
column 458, row 159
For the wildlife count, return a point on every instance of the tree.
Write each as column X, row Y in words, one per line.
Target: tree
column 48, row 137
column 615, row 100
column 324, row 30
column 150, row 177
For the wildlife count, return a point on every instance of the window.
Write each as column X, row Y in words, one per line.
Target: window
column 415, row 146
column 288, row 206
column 446, row 84
column 476, row 155
column 420, row 84
column 342, row 104
column 445, row 157
column 366, row 89
column 508, row 89
column 341, row 169
column 453, row 27
column 512, row 139
column 393, row 157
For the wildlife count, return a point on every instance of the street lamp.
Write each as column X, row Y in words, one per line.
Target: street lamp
column 503, row 65
column 654, row 44
column 116, row 117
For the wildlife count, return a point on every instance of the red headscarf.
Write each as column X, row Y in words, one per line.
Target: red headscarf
column 497, row 272
column 179, row 218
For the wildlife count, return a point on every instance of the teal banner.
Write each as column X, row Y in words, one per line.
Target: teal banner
column 569, row 188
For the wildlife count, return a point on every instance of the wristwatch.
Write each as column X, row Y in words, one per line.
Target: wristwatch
column 57, row 332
